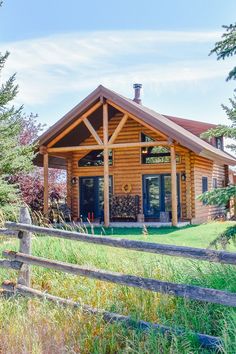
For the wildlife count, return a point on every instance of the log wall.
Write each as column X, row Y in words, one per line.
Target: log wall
column 127, row 168
column 203, row 167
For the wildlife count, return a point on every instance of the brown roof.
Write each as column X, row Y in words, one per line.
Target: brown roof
column 158, row 121
column 193, row 126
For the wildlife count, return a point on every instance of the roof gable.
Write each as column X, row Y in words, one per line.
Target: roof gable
column 163, row 123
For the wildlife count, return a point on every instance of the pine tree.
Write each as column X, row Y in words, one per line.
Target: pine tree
column 224, row 49
column 14, row 157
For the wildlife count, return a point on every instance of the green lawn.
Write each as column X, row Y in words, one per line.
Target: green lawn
column 33, row 326
column 193, row 235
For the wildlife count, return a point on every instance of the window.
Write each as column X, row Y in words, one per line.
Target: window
column 204, row 187
column 155, row 154
column 94, row 158
column 204, row 184
column 214, row 183
column 219, row 142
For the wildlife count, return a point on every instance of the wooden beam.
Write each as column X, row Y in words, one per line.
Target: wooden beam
column 92, row 131
column 45, row 190
column 188, row 186
column 68, row 182
column 136, row 118
column 118, row 129
column 75, row 148
column 203, row 254
column 74, row 124
column 183, row 290
column 138, row 144
column 110, row 146
column 106, row 166
column 174, row 187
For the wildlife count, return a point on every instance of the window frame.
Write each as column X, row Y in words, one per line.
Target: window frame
column 155, row 155
column 219, row 140
column 204, row 187
column 99, row 151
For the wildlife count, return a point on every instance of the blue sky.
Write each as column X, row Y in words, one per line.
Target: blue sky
column 62, row 50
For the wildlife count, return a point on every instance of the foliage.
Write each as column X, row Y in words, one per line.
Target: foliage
column 8, row 193
column 224, row 49
column 227, row 47
column 218, row 196
column 14, row 157
column 225, row 238
column 31, row 185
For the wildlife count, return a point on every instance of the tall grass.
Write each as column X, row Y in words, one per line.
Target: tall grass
column 33, row 326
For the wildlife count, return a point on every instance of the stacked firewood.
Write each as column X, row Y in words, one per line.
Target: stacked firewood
column 124, row 207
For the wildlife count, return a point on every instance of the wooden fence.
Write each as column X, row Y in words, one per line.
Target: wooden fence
column 23, row 259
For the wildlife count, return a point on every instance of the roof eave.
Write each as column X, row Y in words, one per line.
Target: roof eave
column 224, row 160
column 135, row 110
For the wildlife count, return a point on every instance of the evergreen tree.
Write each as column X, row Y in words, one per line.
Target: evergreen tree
column 224, row 49
column 14, row 157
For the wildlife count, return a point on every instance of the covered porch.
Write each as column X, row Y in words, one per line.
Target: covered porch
column 157, row 194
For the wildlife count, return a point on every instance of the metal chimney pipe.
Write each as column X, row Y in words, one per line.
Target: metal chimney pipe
column 137, row 89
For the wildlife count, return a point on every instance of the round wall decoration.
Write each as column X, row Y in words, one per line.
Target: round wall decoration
column 126, row 187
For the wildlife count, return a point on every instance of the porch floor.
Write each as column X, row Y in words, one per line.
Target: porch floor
column 140, row 224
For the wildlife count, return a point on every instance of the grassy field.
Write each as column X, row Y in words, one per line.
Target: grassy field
column 33, row 326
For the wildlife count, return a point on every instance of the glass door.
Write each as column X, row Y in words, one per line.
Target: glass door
column 92, row 196
column 151, row 196
column 87, row 197
column 166, row 194
column 157, row 195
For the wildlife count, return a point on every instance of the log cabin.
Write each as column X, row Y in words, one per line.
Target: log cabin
column 126, row 162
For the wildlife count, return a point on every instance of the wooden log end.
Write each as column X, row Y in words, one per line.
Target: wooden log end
column 9, row 253
column 9, row 285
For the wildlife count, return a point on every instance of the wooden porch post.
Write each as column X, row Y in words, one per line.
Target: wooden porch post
column 173, row 187
column 68, row 182
column 45, row 191
column 106, row 165
column 188, row 186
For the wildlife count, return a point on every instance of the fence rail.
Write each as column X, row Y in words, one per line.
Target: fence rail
column 182, row 290
column 23, row 259
column 204, row 339
column 170, row 250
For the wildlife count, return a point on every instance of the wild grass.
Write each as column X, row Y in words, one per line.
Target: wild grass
column 34, row 326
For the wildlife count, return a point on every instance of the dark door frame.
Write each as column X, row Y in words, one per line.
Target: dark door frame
column 97, row 212
column 162, row 193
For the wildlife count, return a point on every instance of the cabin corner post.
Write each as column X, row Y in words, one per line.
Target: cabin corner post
column 188, row 186
column 45, row 189
column 106, row 166
column 173, row 186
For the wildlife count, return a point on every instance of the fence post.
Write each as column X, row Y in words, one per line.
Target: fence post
column 25, row 246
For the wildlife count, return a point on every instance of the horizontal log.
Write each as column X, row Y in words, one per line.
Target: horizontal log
column 5, row 263
column 8, row 233
column 182, row 290
column 112, row 317
column 151, row 247
column 110, row 146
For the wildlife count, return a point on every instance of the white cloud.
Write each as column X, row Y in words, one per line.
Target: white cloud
column 47, row 67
